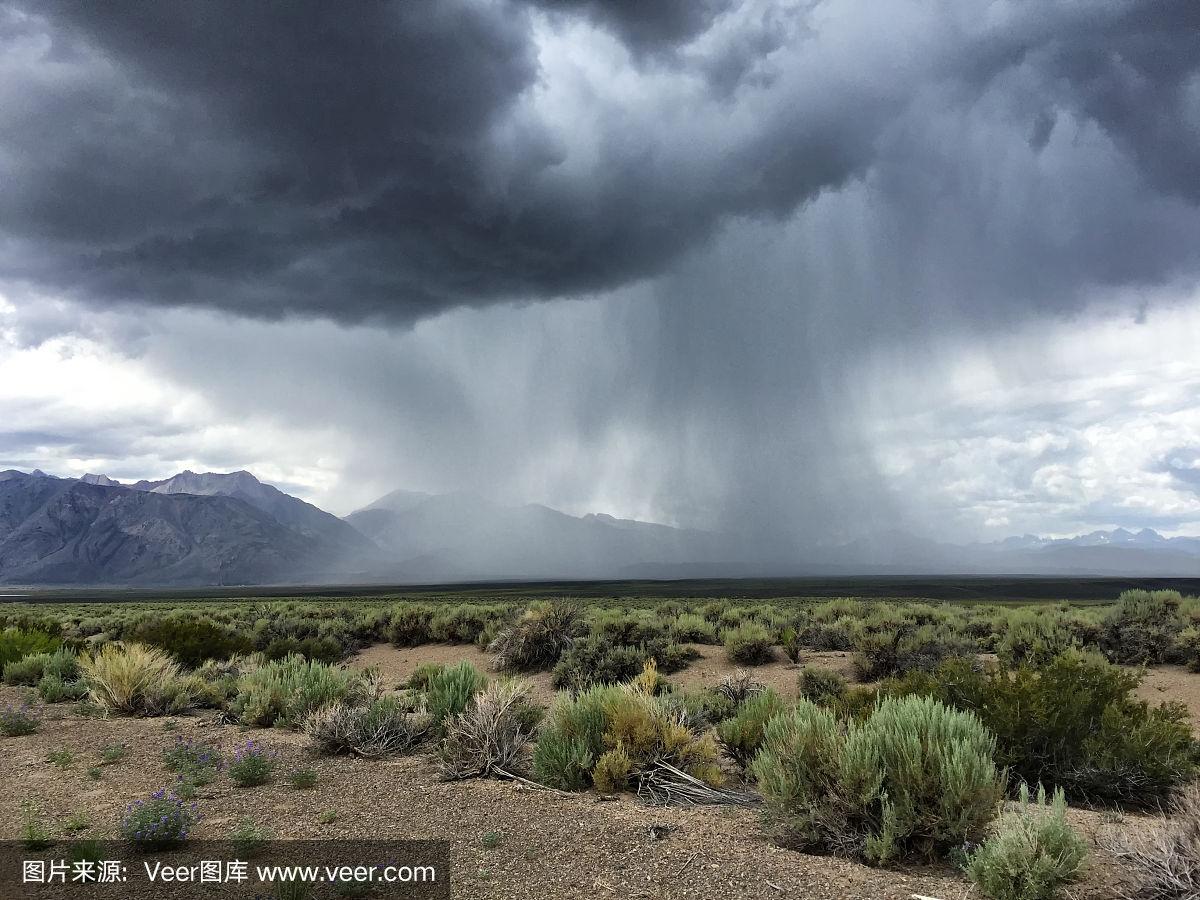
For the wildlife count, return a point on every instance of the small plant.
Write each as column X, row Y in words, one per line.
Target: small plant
column 1033, row 852
column 197, row 762
column 77, row 821
column 789, row 639
column 113, row 754
column 18, row 720
column 161, row 822
column 328, row 817
column 52, row 689
column 64, row 759
column 422, row 675
column 739, row 687
column 491, row 839
column 94, row 773
column 285, row 691
column 303, row 779
column 35, row 835
column 248, row 839
column 748, row 644
column 252, row 765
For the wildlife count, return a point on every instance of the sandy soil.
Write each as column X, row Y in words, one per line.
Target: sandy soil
column 546, row 844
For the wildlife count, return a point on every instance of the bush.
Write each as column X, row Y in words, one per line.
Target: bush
column 451, row 689
column 464, row 623
column 539, row 638
column 326, row 650
column 693, row 629
column 1033, row 638
column 821, row 686
column 491, row 736
column 612, row 771
column 248, row 839
column 1033, row 852
column 1142, row 629
column 251, row 765
column 748, row 645
column 580, row 730
column 1073, row 724
column 17, row 643
column 134, row 679
column 741, row 735
column 593, row 660
column 52, row 689
column 383, row 727
column 27, row 671
column 789, row 639
column 18, row 720
column 887, row 653
column 285, row 691
column 916, row 779
column 409, row 625
column 161, row 822
column 191, row 639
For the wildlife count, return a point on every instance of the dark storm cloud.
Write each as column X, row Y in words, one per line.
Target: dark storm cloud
column 280, row 158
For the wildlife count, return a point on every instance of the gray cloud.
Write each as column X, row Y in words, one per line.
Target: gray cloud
column 273, row 159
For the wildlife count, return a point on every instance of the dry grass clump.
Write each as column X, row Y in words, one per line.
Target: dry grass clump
column 384, row 727
column 491, row 736
column 739, row 687
column 539, row 638
column 1162, row 859
column 134, row 679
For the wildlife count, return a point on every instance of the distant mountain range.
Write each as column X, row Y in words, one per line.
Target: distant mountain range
column 201, row 529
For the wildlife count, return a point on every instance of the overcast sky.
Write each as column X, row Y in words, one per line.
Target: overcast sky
column 795, row 269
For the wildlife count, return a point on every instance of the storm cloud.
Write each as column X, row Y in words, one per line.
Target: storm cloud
column 279, row 158
column 633, row 257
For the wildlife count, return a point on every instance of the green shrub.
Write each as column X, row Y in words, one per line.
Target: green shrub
column 1034, row 638
column 822, row 686
column 539, row 638
column 1074, row 724
column 52, row 689
column 27, row 671
column 886, row 653
column 284, row 692
column 693, row 629
column 422, row 675
column 748, row 645
column 580, row 730
column 789, row 639
column 915, row 780
column 326, row 650
column 191, row 639
column 592, row 660
column 741, row 736
column 451, row 689
column 409, row 625
column 1142, row 628
column 1033, row 853
column 612, row 771
column 17, row 643
column 464, row 623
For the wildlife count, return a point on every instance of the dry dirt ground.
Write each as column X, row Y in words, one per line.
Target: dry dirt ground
column 507, row 840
